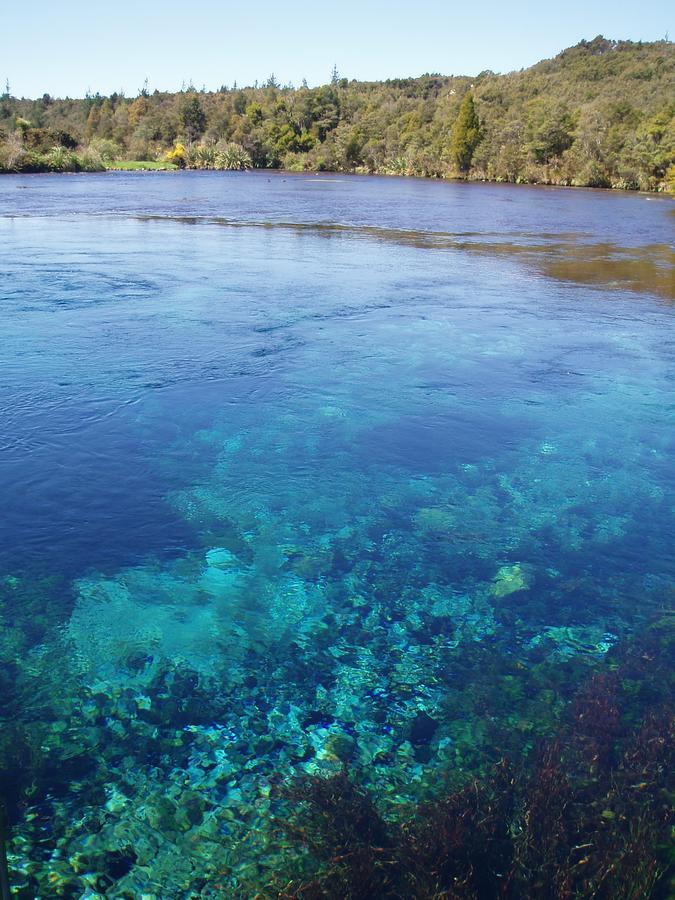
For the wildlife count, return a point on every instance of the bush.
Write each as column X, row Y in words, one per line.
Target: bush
column 91, row 161
column 232, row 156
column 593, row 174
column 106, row 149
column 60, row 159
column 224, row 155
column 177, row 156
column 670, row 180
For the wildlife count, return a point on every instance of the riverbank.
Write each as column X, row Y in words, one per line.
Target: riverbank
column 667, row 188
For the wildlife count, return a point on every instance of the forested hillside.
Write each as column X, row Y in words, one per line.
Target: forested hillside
column 599, row 114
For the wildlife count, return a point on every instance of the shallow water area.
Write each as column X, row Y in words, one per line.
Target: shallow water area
column 301, row 472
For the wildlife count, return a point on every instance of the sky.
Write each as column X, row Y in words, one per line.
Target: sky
column 72, row 47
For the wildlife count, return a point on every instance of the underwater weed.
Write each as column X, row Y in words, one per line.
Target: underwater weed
column 341, row 826
column 459, row 845
column 5, row 892
column 588, row 814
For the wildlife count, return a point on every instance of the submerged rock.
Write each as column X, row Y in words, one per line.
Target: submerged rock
column 434, row 519
column 340, row 745
column 565, row 642
column 422, row 729
column 221, row 558
column 509, row 580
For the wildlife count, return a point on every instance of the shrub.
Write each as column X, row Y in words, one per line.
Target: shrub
column 60, row 159
column 177, row 156
column 232, row 156
column 106, row 149
column 91, row 161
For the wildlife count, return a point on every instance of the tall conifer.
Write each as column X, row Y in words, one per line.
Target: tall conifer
column 466, row 134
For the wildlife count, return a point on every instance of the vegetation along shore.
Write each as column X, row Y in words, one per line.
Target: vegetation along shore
column 600, row 114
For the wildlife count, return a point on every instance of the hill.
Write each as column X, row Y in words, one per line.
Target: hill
column 601, row 114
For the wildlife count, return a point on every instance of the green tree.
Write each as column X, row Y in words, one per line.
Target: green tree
column 91, row 127
column 255, row 113
column 239, row 103
column 192, row 117
column 466, row 134
column 104, row 128
column 553, row 135
column 22, row 126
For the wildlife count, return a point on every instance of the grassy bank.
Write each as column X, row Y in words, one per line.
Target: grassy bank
column 139, row 165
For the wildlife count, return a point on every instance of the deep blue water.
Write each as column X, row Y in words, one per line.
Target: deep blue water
column 242, row 415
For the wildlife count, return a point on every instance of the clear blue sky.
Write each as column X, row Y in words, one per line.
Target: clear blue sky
column 66, row 47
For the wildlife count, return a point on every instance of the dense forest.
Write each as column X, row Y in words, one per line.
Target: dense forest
column 599, row 114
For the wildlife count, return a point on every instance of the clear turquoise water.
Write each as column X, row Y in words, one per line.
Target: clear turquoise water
column 288, row 463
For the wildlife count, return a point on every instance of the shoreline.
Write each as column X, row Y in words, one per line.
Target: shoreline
column 286, row 173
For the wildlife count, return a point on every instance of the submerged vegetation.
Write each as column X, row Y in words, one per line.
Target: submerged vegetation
column 151, row 777
column 600, row 114
column 162, row 735
column 589, row 814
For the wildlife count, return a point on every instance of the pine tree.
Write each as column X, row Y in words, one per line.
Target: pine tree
column 466, row 134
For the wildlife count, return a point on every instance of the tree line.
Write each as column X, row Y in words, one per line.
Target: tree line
column 600, row 114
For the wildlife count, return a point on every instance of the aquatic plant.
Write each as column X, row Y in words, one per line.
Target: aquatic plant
column 5, row 891
column 587, row 815
column 344, row 827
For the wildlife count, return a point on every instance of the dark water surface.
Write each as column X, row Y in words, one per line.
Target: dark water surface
column 279, row 452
